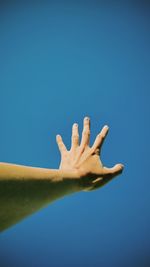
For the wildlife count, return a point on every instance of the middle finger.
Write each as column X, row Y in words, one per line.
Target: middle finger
column 85, row 133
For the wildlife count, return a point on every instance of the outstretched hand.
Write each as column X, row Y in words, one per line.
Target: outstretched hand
column 84, row 161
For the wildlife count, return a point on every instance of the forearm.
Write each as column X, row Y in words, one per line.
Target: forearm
column 24, row 190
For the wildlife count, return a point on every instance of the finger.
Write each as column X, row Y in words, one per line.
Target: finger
column 98, row 182
column 116, row 170
column 100, row 139
column 60, row 143
column 88, row 189
column 109, row 173
column 86, row 132
column 75, row 136
column 96, row 186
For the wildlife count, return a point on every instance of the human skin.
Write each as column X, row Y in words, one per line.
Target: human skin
column 24, row 190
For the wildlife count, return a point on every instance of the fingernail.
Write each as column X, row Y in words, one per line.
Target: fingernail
column 75, row 124
column 87, row 118
column 106, row 126
column 122, row 166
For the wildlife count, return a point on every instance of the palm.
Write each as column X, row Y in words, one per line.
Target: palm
column 86, row 159
column 90, row 163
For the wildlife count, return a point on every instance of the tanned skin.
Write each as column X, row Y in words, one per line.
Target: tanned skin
column 24, row 190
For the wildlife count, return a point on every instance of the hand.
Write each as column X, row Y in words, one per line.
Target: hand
column 85, row 160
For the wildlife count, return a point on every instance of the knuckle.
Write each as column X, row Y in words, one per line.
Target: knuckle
column 75, row 137
column 86, row 123
column 58, row 142
column 61, row 144
column 92, row 149
column 86, row 132
column 63, row 150
column 97, row 151
column 102, row 136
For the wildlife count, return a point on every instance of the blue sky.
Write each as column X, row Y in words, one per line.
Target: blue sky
column 59, row 63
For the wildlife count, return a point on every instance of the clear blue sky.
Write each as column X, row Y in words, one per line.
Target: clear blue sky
column 59, row 63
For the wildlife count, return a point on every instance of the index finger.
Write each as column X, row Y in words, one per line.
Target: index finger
column 100, row 138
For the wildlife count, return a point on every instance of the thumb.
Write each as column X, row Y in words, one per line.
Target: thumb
column 113, row 171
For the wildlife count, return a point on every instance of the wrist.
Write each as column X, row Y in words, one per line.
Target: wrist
column 69, row 179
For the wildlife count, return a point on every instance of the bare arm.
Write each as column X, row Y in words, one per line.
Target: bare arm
column 24, row 189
